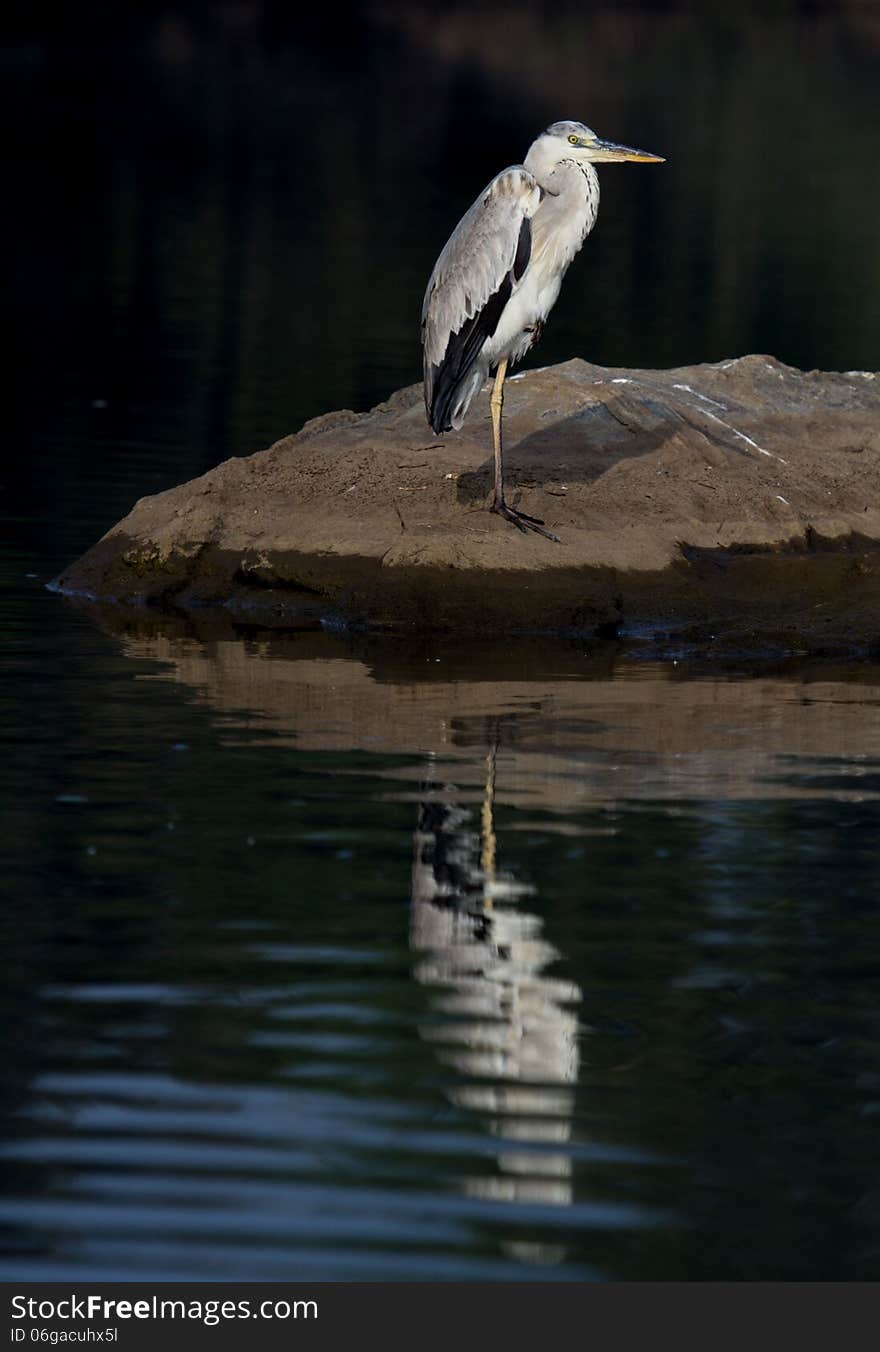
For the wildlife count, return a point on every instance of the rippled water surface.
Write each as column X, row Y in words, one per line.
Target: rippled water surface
column 350, row 957
column 330, row 958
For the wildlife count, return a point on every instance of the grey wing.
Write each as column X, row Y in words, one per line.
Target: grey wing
column 472, row 280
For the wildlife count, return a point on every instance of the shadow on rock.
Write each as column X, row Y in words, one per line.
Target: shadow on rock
column 578, row 448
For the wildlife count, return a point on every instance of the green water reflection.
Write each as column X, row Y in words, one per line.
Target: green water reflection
column 505, row 982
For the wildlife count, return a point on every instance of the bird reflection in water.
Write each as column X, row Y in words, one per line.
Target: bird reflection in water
column 507, row 1026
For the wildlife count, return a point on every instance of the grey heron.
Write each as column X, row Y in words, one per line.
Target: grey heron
column 499, row 274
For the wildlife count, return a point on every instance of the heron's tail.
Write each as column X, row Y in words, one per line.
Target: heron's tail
column 450, row 387
column 451, row 402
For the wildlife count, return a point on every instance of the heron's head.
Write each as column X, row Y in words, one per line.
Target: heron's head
column 574, row 141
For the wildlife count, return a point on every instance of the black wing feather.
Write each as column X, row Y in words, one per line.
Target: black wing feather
column 523, row 249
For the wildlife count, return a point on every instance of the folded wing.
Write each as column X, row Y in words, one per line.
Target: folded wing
column 473, row 279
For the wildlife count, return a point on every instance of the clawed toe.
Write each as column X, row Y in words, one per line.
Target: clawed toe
column 522, row 521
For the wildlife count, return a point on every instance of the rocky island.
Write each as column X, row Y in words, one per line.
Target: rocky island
column 739, row 498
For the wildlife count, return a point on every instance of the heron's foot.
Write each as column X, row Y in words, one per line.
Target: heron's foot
column 522, row 521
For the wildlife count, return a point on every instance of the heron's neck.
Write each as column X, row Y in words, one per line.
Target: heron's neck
column 573, row 189
column 569, row 177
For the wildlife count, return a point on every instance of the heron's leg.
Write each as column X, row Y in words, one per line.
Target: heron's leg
column 496, row 403
column 519, row 519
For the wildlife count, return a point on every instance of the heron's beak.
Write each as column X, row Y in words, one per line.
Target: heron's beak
column 610, row 150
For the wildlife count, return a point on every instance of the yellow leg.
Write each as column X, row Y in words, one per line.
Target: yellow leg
column 519, row 519
column 496, row 404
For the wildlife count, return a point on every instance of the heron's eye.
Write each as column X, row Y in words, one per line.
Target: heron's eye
column 573, row 140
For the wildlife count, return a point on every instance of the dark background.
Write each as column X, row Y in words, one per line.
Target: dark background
column 220, row 218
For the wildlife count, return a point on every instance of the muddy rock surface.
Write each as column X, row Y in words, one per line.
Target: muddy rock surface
column 739, row 499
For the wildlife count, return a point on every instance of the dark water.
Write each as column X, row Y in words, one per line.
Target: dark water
column 331, row 956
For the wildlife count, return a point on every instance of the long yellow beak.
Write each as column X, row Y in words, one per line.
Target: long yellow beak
column 610, row 150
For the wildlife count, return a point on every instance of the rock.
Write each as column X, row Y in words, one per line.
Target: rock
column 741, row 497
